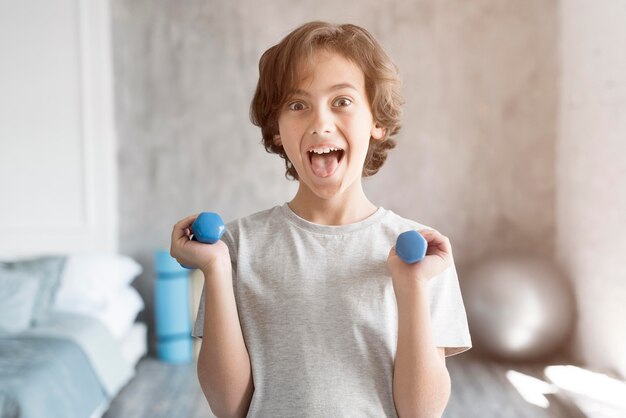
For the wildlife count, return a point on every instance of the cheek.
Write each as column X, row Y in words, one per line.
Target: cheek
column 293, row 153
column 361, row 133
column 362, row 124
column 288, row 129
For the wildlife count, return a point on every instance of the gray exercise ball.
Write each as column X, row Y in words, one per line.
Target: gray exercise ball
column 518, row 307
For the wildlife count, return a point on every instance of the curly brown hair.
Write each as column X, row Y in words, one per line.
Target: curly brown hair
column 279, row 75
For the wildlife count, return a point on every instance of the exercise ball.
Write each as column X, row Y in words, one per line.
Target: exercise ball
column 519, row 308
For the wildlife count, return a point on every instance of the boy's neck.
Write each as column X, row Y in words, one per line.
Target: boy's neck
column 349, row 207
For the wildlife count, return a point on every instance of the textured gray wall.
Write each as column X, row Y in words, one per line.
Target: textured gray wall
column 476, row 157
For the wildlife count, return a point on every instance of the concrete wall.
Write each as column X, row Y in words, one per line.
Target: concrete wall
column 591, row 174
column 476, row 157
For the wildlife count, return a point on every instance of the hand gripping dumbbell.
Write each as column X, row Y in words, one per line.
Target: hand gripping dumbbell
column 411, row 247
column 208, row 228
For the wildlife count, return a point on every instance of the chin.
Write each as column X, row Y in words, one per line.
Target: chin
column 321, row 191
column 328, row 192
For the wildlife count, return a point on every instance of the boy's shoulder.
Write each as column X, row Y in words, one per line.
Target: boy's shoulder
column 395, row 220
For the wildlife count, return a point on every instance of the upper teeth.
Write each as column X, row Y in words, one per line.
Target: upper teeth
column 324, row 150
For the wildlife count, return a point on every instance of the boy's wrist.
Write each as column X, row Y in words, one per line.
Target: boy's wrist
column 410, row 290
column 217, row 272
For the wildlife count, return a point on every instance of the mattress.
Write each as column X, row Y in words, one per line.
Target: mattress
column 46, row 370
column 134, row 344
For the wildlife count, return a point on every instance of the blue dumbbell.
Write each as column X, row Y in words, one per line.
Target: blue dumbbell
column 411, row 247
column 208, row 228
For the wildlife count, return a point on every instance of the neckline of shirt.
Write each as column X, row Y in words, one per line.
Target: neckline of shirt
column 292, row 217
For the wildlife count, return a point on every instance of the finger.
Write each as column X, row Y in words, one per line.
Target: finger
column 436, row 240
column 181, row 227
column 186, row 222
column 432, row 234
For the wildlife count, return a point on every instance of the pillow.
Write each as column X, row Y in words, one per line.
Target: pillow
column 89, row 279
column 118, row 312
column 18, row 292
column 121, row 311
column 47, row 270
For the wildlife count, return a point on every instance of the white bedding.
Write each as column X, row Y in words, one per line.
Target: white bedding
column 95, row 307
column 99, row 285
column 118, row 312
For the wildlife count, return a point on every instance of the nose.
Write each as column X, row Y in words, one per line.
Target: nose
column 322, row 122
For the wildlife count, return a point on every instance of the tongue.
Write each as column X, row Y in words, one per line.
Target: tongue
column 325, row 165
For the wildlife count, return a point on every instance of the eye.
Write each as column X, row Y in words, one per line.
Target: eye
column 342, row 102
column 296, row 106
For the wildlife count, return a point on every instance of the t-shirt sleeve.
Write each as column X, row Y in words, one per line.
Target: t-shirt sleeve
column 447, row 311
column 198, row 327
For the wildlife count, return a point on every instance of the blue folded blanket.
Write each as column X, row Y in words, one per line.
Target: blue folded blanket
column 46, row 377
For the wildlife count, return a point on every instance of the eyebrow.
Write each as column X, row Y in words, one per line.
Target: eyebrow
column 332, row 88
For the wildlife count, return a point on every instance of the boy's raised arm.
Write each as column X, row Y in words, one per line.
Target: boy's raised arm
column 421, row 382
column 224, row 369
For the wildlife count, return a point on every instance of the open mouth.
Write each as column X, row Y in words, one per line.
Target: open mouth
column 325, row 163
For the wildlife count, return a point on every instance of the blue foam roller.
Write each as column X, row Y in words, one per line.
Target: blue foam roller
column 171, row 305
column 175, row 351
column 164, row 263
column 172, row 309
column 411, row 246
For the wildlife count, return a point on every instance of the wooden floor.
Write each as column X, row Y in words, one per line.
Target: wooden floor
column 480, row 389
column 161, row 390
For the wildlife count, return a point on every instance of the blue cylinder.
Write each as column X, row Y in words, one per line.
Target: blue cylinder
column 172, row 310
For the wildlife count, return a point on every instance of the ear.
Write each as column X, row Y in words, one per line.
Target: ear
column 377, row 132
column 277, row 140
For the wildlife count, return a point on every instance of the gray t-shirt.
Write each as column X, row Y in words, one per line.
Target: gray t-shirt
column 319, row 316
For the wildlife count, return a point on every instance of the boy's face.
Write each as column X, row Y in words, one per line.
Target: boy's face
column 329, row 109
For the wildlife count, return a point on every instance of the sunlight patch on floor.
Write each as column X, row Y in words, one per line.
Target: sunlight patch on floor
column 597, row 395
column 531, row 388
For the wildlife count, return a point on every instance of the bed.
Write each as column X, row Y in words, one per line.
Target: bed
column 69, row 339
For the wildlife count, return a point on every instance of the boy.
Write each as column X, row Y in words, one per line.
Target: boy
column 306, row 309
